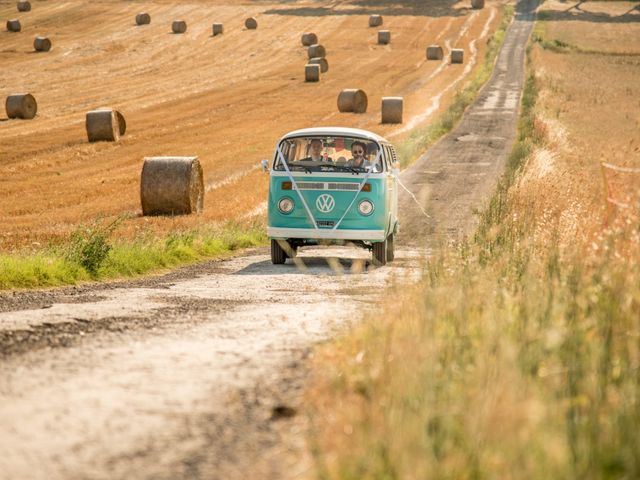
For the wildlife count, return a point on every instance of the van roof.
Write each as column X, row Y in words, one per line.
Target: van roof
column 335, row 132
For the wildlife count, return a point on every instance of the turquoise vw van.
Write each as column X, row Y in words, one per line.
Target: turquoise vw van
column 332, row 186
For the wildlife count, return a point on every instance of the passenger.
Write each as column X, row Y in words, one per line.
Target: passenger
column 372, row 157
column 358, row 150
column 315, row 149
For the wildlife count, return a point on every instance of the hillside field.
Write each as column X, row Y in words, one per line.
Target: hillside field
column 226, row 99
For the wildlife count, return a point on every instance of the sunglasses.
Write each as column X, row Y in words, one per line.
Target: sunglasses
column 358, row 152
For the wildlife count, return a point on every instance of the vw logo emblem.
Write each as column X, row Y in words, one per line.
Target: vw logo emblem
column 325, row 203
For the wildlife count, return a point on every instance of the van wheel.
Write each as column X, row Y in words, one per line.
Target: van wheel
column 380, row 253
column 278, row 255
column 390, row 253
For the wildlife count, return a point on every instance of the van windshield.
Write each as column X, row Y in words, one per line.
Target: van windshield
column 328, row 154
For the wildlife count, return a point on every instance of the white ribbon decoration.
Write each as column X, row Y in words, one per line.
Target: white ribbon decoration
column 359, row 190
column 294, row 185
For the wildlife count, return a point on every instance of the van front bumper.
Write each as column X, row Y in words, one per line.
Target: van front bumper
column 326, row 234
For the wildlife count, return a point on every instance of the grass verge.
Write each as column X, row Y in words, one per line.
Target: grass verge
column 421, row 138
column 90, row 254
column 511, row 358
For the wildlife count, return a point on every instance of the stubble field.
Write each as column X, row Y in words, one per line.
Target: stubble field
column 226, row 99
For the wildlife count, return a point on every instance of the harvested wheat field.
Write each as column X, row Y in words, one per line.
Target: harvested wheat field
column 225, row 99
column 587, row 59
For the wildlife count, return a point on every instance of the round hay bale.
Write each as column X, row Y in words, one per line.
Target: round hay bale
column 384, row 37
column 179, row 26
column 21, row 105
column 311, row 73
column 41, row 44
column 218, row 29
column 392, row 109
column 375, row 20
column 316, row 50
column 352, row 100
column 309, row 39
column 24, row 6
column 143, row 19
column 324, row 65
column 477, row 4
column 102, row 125
column 122, row 123
column 14, row 25
column 171, row 186
column 457, row 55
column 251, row 23
column 434, row 52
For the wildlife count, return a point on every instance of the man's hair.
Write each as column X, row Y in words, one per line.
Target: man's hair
column 316, row 140
column 358, row 142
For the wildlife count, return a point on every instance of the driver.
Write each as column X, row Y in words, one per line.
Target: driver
column 315, row 150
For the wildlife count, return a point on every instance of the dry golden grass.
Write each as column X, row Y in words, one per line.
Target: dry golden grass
column 517, row 355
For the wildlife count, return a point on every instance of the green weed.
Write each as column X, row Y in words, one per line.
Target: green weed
column 92, row 253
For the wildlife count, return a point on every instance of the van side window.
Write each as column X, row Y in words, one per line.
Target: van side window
column 388, row 157
column 393, row 157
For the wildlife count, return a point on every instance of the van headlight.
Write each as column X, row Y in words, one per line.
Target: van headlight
column 285, row 205
column 365, row 207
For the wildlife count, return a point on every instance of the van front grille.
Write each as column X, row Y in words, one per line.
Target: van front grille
column 349, row 187
column 310, row 185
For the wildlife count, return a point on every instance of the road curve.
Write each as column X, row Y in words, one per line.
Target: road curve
column 192, row 374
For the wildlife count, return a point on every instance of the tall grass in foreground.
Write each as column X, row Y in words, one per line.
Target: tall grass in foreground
column 512, row 358
column 421, row 138
column 92, row 253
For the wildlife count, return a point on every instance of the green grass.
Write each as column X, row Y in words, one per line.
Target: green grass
column 92, row 253
column 512, row 358
column 421, row 138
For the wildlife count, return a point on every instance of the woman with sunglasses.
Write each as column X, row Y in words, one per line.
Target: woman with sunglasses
column 358, row 149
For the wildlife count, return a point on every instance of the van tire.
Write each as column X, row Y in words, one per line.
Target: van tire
column 379, row 252
column 390, row 250
column 278, row 255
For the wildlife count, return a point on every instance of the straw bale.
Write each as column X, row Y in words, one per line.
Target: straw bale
column 14, row 25
column 21, row 105
column 102, row 125
column 311, row 73
column 375, row 20
column 392, row 109
column 324, row 64
column 24, row 6
column 251, row 23
column 477, row 4
column 434, row 52
column 171, row 186
column 122, row 123
column 352, row 100
column 218, row 29
column 179, row 26
column 384, row 37
column 41, row 44
column 143, row 19
column 309, row 39
column 457, row 55
column 316, row 50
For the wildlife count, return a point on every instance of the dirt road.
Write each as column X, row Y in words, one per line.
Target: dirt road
column 197, row 374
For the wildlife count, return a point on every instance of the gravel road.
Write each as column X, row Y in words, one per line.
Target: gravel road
column 198, row 373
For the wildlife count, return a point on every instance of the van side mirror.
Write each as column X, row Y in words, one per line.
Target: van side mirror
column 264, row 164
